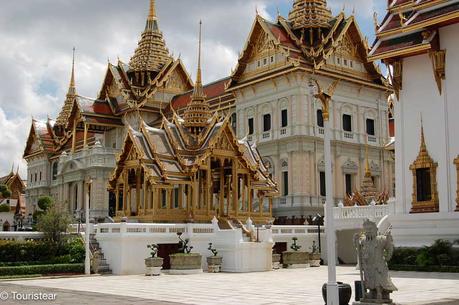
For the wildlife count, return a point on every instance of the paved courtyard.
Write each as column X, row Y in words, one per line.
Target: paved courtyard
column 297, row 286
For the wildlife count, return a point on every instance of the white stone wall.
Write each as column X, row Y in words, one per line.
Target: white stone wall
column 300, row 144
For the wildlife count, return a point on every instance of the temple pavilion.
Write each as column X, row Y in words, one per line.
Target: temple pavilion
column 191, row 169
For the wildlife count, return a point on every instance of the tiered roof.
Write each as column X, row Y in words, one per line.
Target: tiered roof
column 310, row 13
column 151, row 54
column 409, row 27
column 308, row 39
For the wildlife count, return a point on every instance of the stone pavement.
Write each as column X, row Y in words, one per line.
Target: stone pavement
column 283, row 287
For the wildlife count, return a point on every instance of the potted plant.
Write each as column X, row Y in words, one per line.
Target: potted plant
column 214, row 262
column 153, row 264
column 276, row 260
column 185, row 260
column 295, row 258
column 314, row 256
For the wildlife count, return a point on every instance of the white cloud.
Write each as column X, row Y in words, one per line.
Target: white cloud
column 38, row 37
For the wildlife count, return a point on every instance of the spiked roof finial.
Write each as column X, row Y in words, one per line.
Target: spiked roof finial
column 72, row 87
column 152, row 14
column 198, row 90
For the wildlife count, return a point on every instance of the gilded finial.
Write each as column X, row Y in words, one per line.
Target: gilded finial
column 198, row 91
column 12, row 168
column 72, row 88
column 152, row 12
column 256, row 10
column 423, row 140
column 17, row 170
column 375, row 21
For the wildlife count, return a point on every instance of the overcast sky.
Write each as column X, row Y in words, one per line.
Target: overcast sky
column 37, row 37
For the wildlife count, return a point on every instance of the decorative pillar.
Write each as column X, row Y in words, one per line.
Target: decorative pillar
column 261, row 200
column 235, row 188
column 250, row 192
column 145, row 196
column 124, row 193
column 117, row 199
column 74, row 136
column 222, row 185
column 138, row 182
column 209, row 185
column 85, row 138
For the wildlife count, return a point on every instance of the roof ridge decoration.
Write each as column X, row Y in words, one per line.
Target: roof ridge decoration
column 310, row 14
column 198, row 113
column 70, row 98
column 151, row 54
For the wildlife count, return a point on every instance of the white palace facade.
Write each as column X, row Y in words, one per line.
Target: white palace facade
column 269, row 94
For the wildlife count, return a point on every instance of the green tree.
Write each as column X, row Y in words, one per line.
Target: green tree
column 45, row 202
column 4, row 208
column 54, row 223
column 5, row 191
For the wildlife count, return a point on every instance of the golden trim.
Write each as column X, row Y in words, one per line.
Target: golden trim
column 424, row 161
column 456, row 162
column 439, row 65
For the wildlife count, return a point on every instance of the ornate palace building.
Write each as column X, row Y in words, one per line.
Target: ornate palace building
column 418, row 40
column 147, row 105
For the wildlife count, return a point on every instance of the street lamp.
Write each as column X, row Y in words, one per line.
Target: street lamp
column 318, row 220
column 325, row 99
column 87, row 260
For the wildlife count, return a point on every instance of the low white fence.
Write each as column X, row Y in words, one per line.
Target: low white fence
column 21, row 236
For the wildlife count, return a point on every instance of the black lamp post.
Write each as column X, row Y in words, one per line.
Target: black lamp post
column 318, row 220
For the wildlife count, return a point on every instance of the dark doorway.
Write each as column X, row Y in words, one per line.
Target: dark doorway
column 111, row 204
column 164, row 251
column 279, row 248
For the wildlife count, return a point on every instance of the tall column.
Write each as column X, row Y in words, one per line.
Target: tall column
column 222, row 186
column 261, row 203
column 235, row 188
column 250, row 192
column 117, row 199
column 145, row 196
column 137, row 189
column 209, row 186
column 332, row 286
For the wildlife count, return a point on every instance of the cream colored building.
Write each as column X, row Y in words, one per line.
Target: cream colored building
column 276, row 109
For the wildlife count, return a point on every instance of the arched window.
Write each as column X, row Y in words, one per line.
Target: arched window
column 320, row 118
column 285, row 182
column 347, row 122
column 266, row 122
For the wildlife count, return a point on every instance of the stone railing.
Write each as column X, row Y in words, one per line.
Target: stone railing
column 294, row 230
column 153, row 228
column 21, row 236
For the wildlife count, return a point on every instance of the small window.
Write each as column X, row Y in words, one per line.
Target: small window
column 351, row 64
column 54, row 170
column 40, row 176
column 272, row 59
column 423, row 186
column 285, row 183
column 35, row 177
column 371, row 127
column 320, row 118
column 338, row 61
column 266, row 122
column 323, row 191
column 347, row 123
column 348, row 178
column 250, row 123
column 284, row 119
column 265, row 61
column 345, row 62
column 258, row 64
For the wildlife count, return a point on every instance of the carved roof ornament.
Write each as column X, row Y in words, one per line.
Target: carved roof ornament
column 151, row 54
column 439, row 66
column 310, row 14
column 197, row 113
column 71, row 94
column 424, row 161
column 367, row 188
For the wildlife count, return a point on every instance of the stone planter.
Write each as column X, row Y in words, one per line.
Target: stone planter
column 214, row 264
column 276, row 261
column 314, row 259
column 185, row 263
column 153, row 266
column 344, row 292
column 295, row 259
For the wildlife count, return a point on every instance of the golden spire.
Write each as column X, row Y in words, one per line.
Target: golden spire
column 151, row 53
column 197, row 113
column 198, row 90
column 310, row 14
column 72, row 87
column 71, row 94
